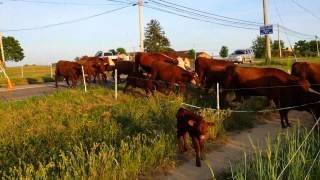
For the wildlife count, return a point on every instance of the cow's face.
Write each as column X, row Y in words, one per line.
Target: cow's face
column 195, row 79
column 202, row 128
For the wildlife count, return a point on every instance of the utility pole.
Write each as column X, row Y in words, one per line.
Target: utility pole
column 317, row 45
column 279, row 41
column 266, row 22
column 2, row 62
column 141, row 27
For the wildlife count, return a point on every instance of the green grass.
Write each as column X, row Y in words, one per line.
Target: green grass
column 268, row 163
column 31, row 75
column 73, row 135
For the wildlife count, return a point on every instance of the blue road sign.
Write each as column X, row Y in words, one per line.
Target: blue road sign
column 266, row 30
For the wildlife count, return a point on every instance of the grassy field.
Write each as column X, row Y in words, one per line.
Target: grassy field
column 72, row 134
column 268, row 163
column 31, row 75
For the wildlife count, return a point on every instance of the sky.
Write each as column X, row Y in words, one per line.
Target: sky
column 121, row 28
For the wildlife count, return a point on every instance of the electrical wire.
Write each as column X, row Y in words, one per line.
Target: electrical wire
column 198, row 19
column 202, row 15
column 205, row 12
column 64, row 3
column 306, row 10
column 66, row 22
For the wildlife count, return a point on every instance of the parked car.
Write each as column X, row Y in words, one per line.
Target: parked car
column 242, row 56
column 108, row 54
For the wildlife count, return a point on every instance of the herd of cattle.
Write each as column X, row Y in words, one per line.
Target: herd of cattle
column 159, row 71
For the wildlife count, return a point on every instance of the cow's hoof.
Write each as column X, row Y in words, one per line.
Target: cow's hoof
column 198, row 164
column 288, row 125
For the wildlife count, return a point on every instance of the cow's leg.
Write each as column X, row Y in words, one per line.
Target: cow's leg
column 67, row 80
column 282, row 119
column 125, row 88
column 182, row 88
column 56, row 79
column 181, row 142
column 170, row 87
column 185, row 142
column 196, row 146
column 286, row 118
column 202, row 153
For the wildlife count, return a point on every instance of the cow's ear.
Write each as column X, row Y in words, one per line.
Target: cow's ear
column 211, row 123
column 191, row 122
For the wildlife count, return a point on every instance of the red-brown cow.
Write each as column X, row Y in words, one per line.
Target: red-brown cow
column 211, row 71
column 69, row 70
column 284, row 89
column 145, row 60
column 197, row 127
column 93, row 66
column 308, row 71
column 172, row 75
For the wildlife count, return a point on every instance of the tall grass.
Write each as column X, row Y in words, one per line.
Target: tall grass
column 268, row 163
column 73, row 135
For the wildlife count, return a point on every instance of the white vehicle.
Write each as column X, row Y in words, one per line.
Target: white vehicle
column 108, row 54
column 242, row 56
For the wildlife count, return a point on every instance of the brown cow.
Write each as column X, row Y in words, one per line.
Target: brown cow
column 123, row 67
column 284, row 89
column 197, row 127
column 171, row 74
column 308, row 71
column 93, row 66
column 211, row 71
column 145, row 60
column 137, row 80
column 69, row 70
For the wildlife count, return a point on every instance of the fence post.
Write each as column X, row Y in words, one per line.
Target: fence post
column 21, row 71
column 218, row 97
column 84, row 79
column 116, row 84
column 51, row 72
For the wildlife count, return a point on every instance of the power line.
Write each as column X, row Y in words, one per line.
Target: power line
column 205, row 12
column 198, row 19
column 64, row 3
column 306, row 10
column 202, row 15
column 66, row 22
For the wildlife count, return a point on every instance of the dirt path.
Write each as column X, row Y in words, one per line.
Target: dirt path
column 232, row 151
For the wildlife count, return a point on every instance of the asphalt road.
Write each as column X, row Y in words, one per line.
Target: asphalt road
column 23, row 92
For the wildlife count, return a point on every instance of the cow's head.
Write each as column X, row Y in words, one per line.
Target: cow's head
column 195, row 79
column 201, row 128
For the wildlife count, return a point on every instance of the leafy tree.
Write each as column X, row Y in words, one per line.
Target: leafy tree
column 313, row 45
column 259, row 46
column 121, row 50
column 12, row 49
column 155, row 40
column 113, row 51
column 224, row 52
column 191, row 54
column 275, row 45
column 302, row 47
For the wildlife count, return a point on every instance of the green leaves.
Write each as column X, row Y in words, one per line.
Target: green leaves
column 155, row 39
column 224, row 51
column 12, row 49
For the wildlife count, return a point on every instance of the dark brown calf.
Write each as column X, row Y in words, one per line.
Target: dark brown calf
column 137, row 80
column 192, row 123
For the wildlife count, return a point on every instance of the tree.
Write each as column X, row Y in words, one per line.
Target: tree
column 121, row 50
column 224, row 52
column 113, row 51
column 259, row 46
column 302, row 47
column 313, row 45
column 12, row 49
column 156, row 41
column 191, row 54
column 275, row 45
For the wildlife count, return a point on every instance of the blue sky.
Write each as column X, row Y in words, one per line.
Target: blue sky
column 120, row 29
